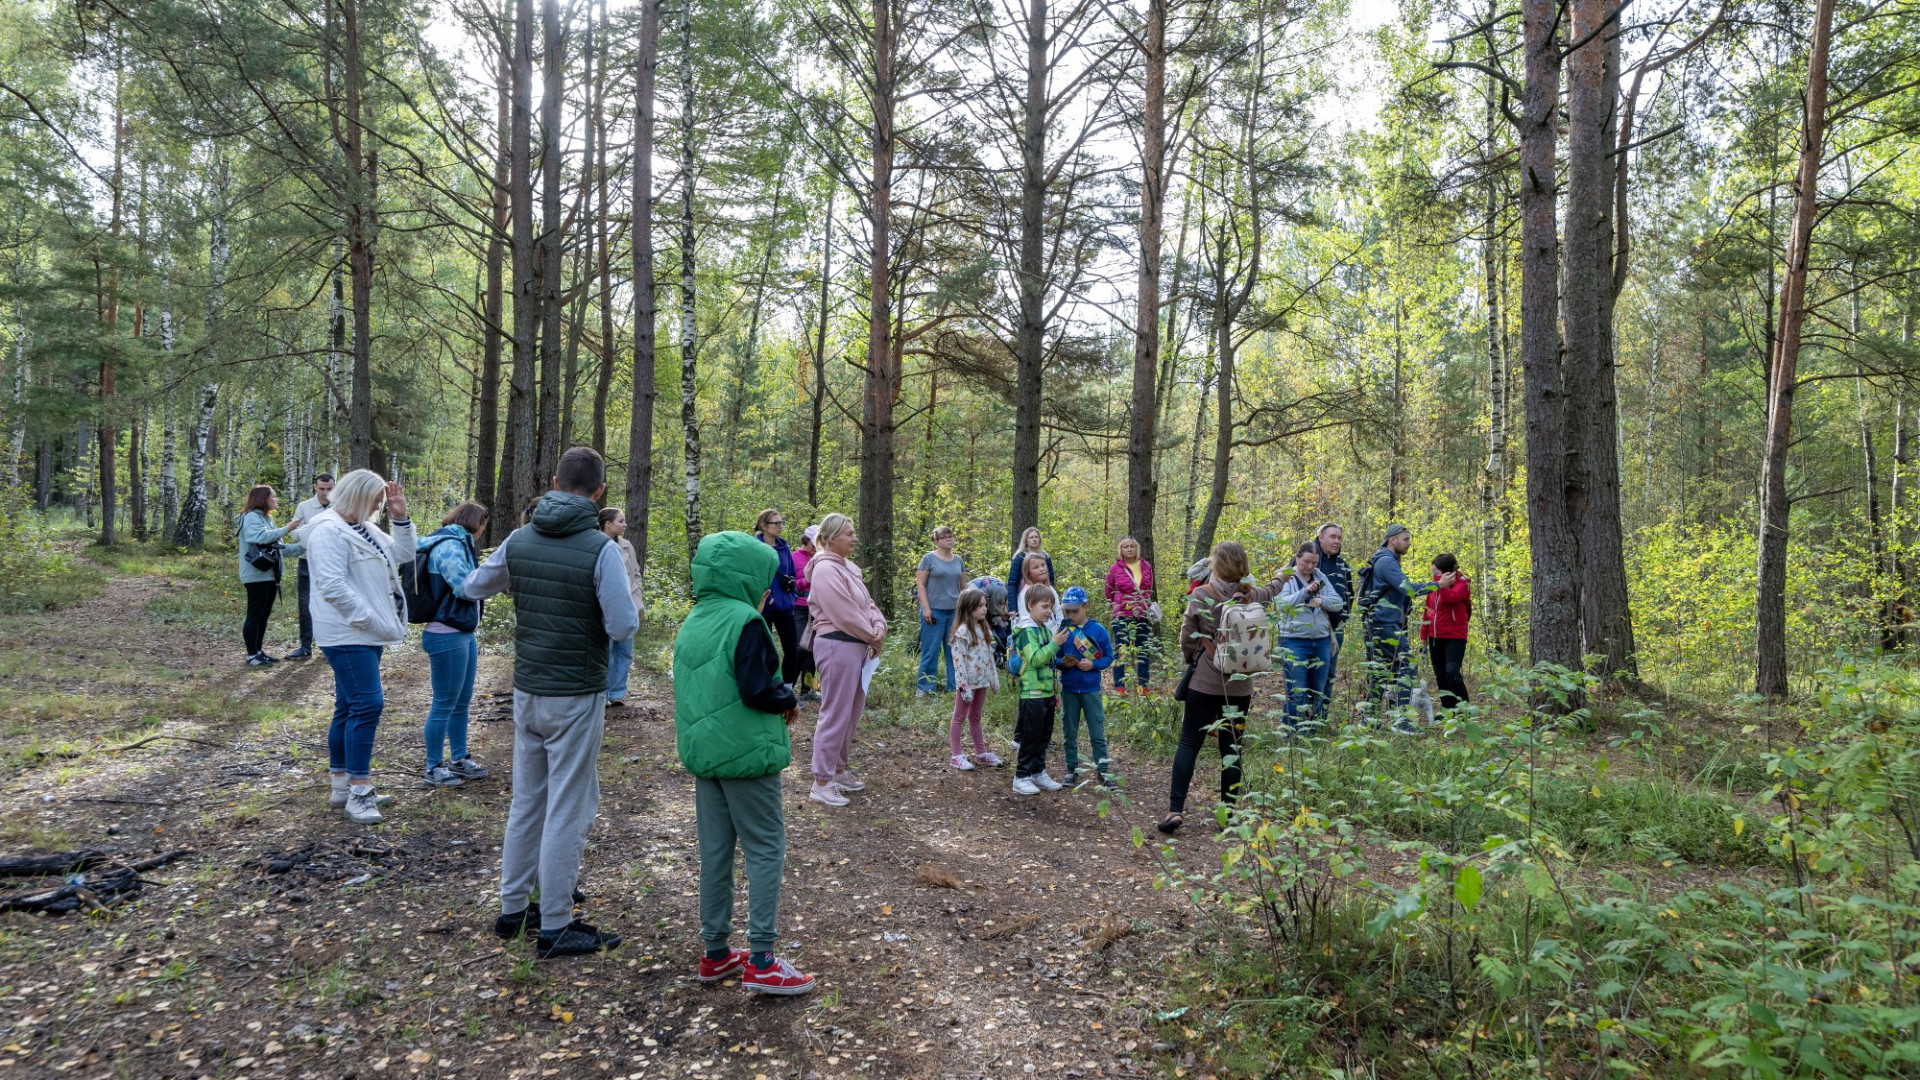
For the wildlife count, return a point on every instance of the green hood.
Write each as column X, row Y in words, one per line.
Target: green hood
column 562, row 513
column 733, row 566
column 718, row 735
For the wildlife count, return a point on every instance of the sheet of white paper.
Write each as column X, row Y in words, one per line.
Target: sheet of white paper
column 866, row 673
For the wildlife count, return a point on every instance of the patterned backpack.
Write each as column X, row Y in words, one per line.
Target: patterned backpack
column 1243, row 639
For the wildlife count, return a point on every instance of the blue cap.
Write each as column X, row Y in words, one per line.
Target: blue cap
column 1075, row 596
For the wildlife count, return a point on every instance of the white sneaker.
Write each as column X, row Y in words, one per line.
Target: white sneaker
column 1047, row 783
column 827, row 794
column 363, row 807
column 846, row 781
column 1024, row 785
column 338, row 797
column 959, row 761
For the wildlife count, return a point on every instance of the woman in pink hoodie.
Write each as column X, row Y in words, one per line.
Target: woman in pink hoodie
column 1130, row 593
column 848, row 630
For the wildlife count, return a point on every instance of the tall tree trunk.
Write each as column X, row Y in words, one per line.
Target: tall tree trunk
column 1143, row 484
column 640, row 431
column 190, row 531
column 603, row 386
column 363, row 170
column 883, row 373
column 1030, row 343
column 1876, row 524
column 1593, row 425
column 1554, row 625
column 689, row 326
column 109, row 358
column 169, row 475
column 818, row 405
column 1494, row 475
column 1222, row 331
column 1770, row 623
column 518, row 453
column 487, row 465
column 552, row 147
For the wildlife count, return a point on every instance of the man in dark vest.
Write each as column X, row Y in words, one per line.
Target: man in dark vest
column 570, row 599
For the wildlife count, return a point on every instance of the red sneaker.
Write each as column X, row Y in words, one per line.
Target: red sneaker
column 712, row 971
column 778, row 977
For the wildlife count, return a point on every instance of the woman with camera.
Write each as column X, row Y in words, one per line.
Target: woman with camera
column 261, row 558
column 781, row 593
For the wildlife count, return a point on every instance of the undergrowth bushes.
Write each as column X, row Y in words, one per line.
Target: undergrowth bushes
column 37, row 573
column 1493, row 899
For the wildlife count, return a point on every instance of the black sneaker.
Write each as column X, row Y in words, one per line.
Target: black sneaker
column 258, row 660
column 304, row 652
column 577, row 939
column 526, row 922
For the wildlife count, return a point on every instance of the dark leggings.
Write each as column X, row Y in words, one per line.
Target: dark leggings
column 800, row 617
column 1448, row 654
column 1203, row 712
column 260, row 597
column 782, row 623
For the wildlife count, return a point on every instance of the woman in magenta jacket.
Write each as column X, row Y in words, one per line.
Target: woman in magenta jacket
column 1129, row 591
column 1449, row 608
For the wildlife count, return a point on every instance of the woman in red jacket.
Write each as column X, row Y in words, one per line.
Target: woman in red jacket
column 1445, row 630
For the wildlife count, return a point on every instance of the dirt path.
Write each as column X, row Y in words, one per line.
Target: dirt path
column 292, row 943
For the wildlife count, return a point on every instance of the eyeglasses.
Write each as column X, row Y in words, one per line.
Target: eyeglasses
column 776, row 523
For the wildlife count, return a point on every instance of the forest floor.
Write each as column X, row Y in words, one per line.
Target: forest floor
column 956, row 929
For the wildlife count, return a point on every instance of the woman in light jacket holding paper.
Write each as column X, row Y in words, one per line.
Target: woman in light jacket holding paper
column 847, row 630
column 358, row 610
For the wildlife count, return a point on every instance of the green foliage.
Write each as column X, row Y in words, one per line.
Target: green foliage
column 1493, row 900
column 38, row 571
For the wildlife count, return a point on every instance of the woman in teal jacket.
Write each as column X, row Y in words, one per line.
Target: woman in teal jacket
column 260, row 543
column 731, row 711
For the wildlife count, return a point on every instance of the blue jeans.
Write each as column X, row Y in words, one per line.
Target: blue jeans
column 619, row 663
column 1135, row 634
column 1075, row 704
column 1389, row 664
column 357, row 704
column 933, row 645
column 1309, row 663
column 452, row 660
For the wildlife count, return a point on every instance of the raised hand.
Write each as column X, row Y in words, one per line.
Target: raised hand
column 396, row 501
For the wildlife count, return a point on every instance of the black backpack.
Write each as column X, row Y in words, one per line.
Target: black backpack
column 417, row 582
column 1367, row 596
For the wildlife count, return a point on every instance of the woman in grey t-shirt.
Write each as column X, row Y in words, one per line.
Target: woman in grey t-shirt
column 937, row 582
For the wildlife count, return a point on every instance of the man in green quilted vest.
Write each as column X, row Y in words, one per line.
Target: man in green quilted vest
column 570, row 598
column 731, row 713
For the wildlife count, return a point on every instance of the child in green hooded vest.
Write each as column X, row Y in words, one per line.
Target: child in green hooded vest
column 731, row 712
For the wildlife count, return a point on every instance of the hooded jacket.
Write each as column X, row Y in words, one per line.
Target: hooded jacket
column 1448, row 610
column 784, row 571
column 720, row 734
column 559, row 640
column 1298, row 618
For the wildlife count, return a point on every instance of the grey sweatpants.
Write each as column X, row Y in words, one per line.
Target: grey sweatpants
column 556, row 793
column 746, row 812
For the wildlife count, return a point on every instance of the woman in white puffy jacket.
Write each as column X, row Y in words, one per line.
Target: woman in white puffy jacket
column 358, row 611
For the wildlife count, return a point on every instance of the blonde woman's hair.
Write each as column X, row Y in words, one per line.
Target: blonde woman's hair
column 1022, row 545
column 1229, row 561
column 359, row 493
column 831, row 527
column 1122, row 546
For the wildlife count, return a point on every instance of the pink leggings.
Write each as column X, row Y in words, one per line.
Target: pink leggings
column 967, row 713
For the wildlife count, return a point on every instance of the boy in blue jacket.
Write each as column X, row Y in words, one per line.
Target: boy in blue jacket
column 1086, row 653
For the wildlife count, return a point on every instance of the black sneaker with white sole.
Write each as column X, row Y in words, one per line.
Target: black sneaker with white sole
column 576, row 939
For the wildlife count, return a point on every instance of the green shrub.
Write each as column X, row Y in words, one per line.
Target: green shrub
column 37, row 573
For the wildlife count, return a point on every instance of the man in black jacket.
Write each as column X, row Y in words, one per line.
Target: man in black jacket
column 1340, row 575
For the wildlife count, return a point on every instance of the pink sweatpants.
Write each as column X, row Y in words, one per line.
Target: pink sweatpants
column 842, row 701
column 967, row 713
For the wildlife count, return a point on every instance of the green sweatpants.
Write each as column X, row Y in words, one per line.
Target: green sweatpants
column 746, row 812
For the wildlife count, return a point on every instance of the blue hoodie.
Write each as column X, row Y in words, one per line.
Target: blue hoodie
column 783, row 597
column 1089, row 642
